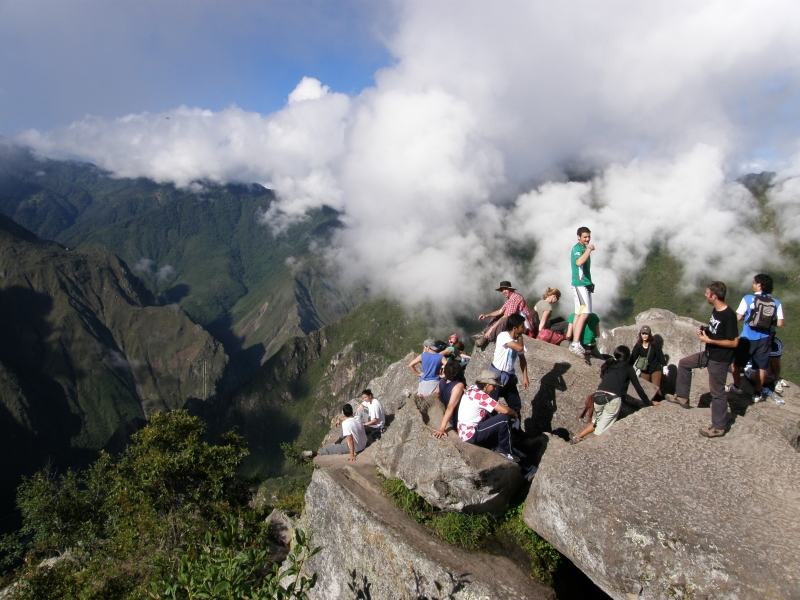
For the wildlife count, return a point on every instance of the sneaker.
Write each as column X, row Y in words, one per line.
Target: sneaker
column 733, row 389
column 757, row 398
column 710, row 432
column 476, row 337
column 509, row 457
column 576, row 349
column 307, row 453
column 576, row 440
column 781, row 385
column 784, row 383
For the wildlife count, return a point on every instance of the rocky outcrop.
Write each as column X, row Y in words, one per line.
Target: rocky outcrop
column 447, row 472
column 653, row 510
column 395, row 386
column 373, row 550
column 678, row 334
column 559, row 384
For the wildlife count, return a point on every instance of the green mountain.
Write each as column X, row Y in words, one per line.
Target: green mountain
column 84, row 356
column 300, row 389
column 206, row 250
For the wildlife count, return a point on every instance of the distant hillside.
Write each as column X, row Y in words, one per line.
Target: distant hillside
column 84, row 357
column 204, row 250
column 300, row 389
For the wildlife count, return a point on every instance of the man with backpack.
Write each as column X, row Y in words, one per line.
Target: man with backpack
column 760, row 312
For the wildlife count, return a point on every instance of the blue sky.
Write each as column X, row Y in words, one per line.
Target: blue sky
column 61, row 60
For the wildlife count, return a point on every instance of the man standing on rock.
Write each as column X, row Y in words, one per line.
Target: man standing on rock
column 720, row 337
column 514, row 304
column 760, row 313
column 508, row 348
column 582, row 286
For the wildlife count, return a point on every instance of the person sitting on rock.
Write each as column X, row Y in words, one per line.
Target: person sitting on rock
column 355, row 438
column 648, row 357
column 455, row 351
column 616, row 373
column 430, row 362
column 514, row 304
column 476, row 422
column 451, row 388
column 543, row 313
column 377, row 420
column 508, row 348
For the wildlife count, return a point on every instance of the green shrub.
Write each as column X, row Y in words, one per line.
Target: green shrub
column 543, row 556
column 170, row 512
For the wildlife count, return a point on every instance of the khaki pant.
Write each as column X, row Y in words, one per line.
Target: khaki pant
column 605, row 415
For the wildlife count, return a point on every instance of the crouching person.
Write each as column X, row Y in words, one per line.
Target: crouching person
column 354, row 436
column 476, row 423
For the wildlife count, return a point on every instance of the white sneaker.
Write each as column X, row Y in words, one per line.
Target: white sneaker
column 757, row 398
column 783, row 383
column 732, row 388
column 576, row 349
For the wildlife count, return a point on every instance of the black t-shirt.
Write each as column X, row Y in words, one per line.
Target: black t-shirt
column 722, row 326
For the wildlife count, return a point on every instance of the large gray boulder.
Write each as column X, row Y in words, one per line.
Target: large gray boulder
column 679, row 334
column 559, row 384
column 395, row 386
column 653, row 510
column 448, row 473
column 371, row 549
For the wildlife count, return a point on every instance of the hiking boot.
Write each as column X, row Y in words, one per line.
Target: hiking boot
column 674, row 399
column 733, row 389
column 710, row 432
column 576, row 349
column 481, row 343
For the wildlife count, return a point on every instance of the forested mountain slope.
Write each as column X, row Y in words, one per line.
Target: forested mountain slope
column 84, row 356
column 204, row 249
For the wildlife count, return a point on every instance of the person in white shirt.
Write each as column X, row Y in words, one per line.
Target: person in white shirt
column 508, row 348
column 377, row 420
column 355, row 438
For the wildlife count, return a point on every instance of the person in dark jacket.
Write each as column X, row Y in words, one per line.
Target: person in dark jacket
column 451, row 388
column 648, row 348
column 616, row 373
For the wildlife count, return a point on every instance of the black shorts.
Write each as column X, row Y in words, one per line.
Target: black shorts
column 755, row 350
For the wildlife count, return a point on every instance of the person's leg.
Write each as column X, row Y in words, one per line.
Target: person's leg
column 741, row 356
column 494, row 431
column 645, row 376
column 498, row 326
column 717, row 373
column 560, row 327
column 684, row 383
column 511, row 394
column 335, row 449
column 608, row 416
column 760, row 357
column 655, row 379
column 583, row 308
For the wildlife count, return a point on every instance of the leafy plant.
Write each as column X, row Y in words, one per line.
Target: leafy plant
column 543, row 556
column 169, row 516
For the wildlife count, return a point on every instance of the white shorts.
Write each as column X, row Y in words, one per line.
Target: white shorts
column 583, row 300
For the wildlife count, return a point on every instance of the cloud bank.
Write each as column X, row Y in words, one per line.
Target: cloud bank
column 457, row 160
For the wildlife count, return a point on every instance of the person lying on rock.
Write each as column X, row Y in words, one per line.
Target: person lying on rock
column 514, row 304
column 451, row 388
column 377, row 419
column 508, row 348
column 482, row 420
column 616, row 373
column 355, row 438
column 429, row 362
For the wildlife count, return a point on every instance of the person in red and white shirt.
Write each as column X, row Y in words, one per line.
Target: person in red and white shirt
column 515, row 304
column 476, row 423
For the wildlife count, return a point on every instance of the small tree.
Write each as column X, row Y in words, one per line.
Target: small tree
column 123, row 526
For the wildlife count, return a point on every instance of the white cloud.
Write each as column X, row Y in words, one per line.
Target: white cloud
column 457, row 154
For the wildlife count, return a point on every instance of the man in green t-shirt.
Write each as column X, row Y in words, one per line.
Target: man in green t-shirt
column 582, row 286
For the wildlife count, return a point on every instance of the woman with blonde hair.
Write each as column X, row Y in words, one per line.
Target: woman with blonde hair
column 543, row 312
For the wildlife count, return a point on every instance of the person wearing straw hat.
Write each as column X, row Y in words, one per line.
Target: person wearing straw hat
column 514, row 304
